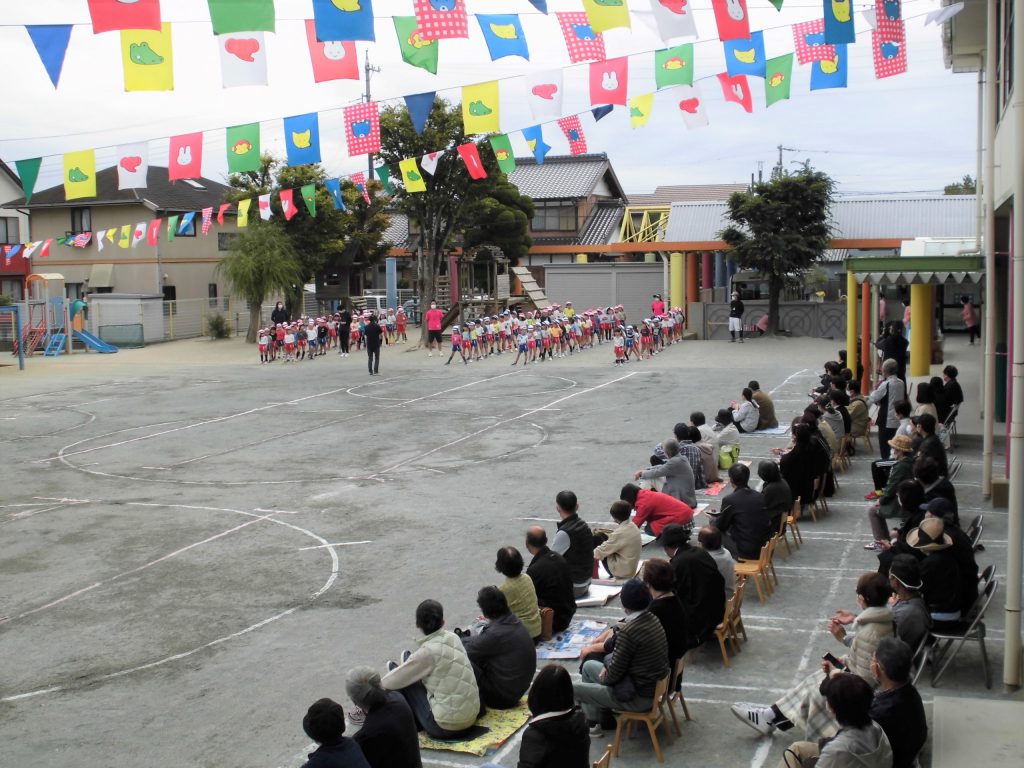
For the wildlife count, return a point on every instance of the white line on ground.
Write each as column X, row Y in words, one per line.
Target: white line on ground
column 787, row 380
column 452, row 389
column 336, row 544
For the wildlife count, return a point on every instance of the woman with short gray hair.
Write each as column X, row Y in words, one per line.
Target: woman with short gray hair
column 890, row 390
column 388, row 735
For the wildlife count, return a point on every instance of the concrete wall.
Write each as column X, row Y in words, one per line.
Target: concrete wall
column 606, row 284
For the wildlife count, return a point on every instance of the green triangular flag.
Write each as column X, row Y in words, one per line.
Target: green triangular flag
column 415, row 50
column 384, row 174
column 172, row 227
column 778, row 75
column 243, row 148
column 28, row 172
column 674, row 66
column 308, row 192
column 777, row 4
column 503, row 152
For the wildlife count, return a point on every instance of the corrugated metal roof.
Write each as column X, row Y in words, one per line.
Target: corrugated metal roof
column 602, row 222
column 854, row 218
column 561, row 176
column 684, row 193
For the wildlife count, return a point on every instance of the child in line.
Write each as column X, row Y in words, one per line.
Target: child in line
column 264, row 338
column 620, row 346
column 457, row 345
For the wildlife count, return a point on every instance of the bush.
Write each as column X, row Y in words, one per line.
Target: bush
column 217, row 327
column 5, row 300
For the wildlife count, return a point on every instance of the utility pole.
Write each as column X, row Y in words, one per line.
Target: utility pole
column 367, row 70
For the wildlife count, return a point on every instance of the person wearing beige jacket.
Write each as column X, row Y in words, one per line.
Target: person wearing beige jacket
column 620, row 551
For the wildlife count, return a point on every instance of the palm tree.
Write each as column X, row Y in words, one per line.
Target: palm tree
column 261, row 263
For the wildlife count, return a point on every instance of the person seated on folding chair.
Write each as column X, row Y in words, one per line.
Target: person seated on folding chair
column 665, row 604
column 909, row 610
column 698, row 583
column 942, row 408
column 935, row 485
column 962, row 550
column 804, row 705
column 710, row 540
column 859, row 740
column 940, row 574
column 860, row 418
column 897, row 705
column 778, row 497
column 887, row 505
column 910, row 495
column 927, row 442
column 743, row 520
column 952, row 393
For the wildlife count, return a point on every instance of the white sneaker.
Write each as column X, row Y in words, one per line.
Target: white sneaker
column 756, row 716
column 355, row 715
column 596, row 731
column 430, row 354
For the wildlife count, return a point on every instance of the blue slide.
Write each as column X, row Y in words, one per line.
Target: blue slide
column 94, row 341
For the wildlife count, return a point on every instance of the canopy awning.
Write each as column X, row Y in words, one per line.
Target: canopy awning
column 932, row 270
column 101, row 276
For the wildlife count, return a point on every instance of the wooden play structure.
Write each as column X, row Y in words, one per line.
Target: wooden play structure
column 480, row 277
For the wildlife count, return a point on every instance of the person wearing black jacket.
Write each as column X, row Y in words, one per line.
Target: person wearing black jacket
column 388, row 734
column 574, row 541
column 897, row 705
column 744, row 520
column 930, row 445
column 372, row 335
column 502, row 653
column 894, row 347
column 926, row 472
column 940, row 573
column 698, row 583
column 557, row 735
column 551, row 579
column 736, row 309
column 962, row 550
column 279, row 315
column 661, row 581
column 344, row 329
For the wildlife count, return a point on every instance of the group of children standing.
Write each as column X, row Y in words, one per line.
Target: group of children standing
column 309, row 337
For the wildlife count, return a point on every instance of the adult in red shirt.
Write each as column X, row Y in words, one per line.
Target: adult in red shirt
column 433, row 316
column 657, row 306
column 655, row 510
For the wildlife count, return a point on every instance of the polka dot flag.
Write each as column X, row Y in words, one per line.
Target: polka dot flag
column 809, row 42
column 573, row 131
column 362, row 128
column 889, row 49
column 583, row 43
column 439, row 19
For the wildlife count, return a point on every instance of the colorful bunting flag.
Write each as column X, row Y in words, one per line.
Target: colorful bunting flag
column 540, row 5
column 544, row 92
column 504, row 36
column 640, row 109
column 331, row 59
column 334, row 189
column 674, row 19
column 411, row 176
column 609, row 80
column 359, row 180
column 308, row 193
column 148, row 59
column 501, row 145
column 674, row 66
column 81, row 240
column 384, row 174
column 243, row 145
column 839, row 27
column 419, row 106
column 607, row 14
column 112, row 235
column 809, row 42
column 101, row 241
column 185, row 157
column 889, row 49
column 133, row 165
column 582, row 42
column 573, row 131
column 302, row 139
column 221, row 210
column 831, row 73
column 416, row 50
column 28, row 174
column 343, row 19
column 778, row 78
column 440, row 19
column 153, row 232
column 601, row 112
column 534, row 136
column 243, row 59
column 187, row 225
column 263, row 206
column 362, row 128
column 207, row 219
column 737, row 90
column 429, row 162
column 138, row 233
column 777, row 4
column 229, row 16
column 732, row 19
column 79, row 174
column 470, row 155
column 172, row 227
column 51, row 43
column 287, row 197
column 745, row 57
column 109, row 15
column 481, row 108
column 45, row 250
column 124, row 239
column 30, row 248
column 243, row 213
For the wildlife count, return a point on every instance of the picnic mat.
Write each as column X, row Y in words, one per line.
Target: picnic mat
column 770, row 431
column 599, row 594
column 569, row 643
column 490, row 732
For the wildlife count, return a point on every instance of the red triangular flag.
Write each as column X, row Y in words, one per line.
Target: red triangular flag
column 737, row 90
column 288, row 203
column 45, row 250
column 220, row 212
column 471, row 157
column 153, row 235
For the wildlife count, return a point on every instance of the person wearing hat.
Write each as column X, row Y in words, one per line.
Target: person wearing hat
column 387, row 735
column 637, row 660
column 699, row 584
column 887, row 505
column 324, row 723
column 963, row 550
column 658, row 305
column 735, row 317
column 908, row 608
column 940, row 574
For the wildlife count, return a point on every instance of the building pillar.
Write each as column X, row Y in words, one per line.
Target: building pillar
column 692, row 278
column 866, row 336
column 581, row 258
column 707, row 270
column 922, row 312
column 731, row 268
column 391, row 281
column 675, row 279
column 851, row 321
column 720, row 278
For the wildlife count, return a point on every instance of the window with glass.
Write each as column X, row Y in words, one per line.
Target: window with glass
column 81, row 220
column 554, row 216
column 10, row 233
column 1004, row 56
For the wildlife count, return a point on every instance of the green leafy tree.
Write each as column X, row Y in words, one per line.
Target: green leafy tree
column 261, row 263
column 502, row 218
column 780, row 227
column 966, row 186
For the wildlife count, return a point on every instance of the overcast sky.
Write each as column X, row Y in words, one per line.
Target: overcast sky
column 914, row 132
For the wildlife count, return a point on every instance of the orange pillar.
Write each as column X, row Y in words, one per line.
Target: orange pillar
column 692, row 278
column 866, row 338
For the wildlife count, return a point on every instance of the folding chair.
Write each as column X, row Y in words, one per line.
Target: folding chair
column 867, row 439
column 758, row 571
column 955, row 465
column 920, row 658
column 675, row 693
column 653, row 718
column 959, row 632
column 606, row 759
column 793, row 523
column 949, row 425
column 986, row 576
column 974, row 530
column 724, row 632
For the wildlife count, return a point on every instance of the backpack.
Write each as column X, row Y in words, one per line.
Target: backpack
column 728, row 455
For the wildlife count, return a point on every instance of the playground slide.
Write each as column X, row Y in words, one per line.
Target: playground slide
column 93, row 341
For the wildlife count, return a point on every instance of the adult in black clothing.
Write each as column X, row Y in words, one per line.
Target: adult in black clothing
column 372, row 335
column 699, row 584
column 503, row 655
column 778, row 498
column 910, row 494
column 930, row 445
column 897, row 705
column 557, row 735
column 951, row 391
column 940, row 575
column 574, row 541
column 962, row 549
column 736, row 309
column 661, row 581
column 743, row 521
column 939, row 397
column 801, row 465
column 344, row 329
column 279, row 315
column 894, row 347
column 324, row 723
column 551, row 579
column 388, row 735
column 926, row 472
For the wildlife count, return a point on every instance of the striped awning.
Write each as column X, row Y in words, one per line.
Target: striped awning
column 910, row 277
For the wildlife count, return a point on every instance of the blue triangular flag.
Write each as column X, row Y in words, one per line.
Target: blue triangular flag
column 419, row 106
column 504, row 35
column 186, row 222
column 15, row 250
column 601, row 111
column 302, row 139
column 540, row 5
column 334, row 187
column 332, row 22
column 535, row 138
column 51, row 42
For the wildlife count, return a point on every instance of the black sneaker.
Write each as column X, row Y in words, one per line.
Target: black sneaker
column 392, row 665
column 405, row 656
